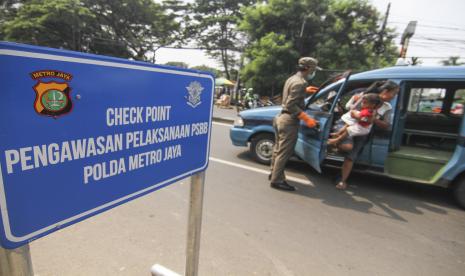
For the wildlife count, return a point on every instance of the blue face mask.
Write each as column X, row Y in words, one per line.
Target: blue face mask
column 311, row 76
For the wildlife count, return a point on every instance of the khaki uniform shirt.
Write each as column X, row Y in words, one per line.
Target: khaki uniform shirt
column 294, row 95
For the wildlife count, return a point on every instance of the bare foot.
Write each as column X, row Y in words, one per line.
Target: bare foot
column 341, row 185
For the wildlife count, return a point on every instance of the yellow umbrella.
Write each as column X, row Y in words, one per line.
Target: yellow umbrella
column 223, row 81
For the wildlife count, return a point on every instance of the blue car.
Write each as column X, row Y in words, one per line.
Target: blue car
column 424, row 145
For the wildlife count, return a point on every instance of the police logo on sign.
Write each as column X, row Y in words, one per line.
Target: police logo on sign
column 194, row 90
column 52, row 98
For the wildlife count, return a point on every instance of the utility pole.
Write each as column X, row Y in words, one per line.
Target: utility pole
column 237, row 91
column 379, row 45
column 408, row 33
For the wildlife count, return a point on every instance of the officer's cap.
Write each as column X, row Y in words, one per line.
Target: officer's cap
column 309, row 62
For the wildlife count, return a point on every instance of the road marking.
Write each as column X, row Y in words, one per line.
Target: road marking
column 266, row 172
column 222, row 124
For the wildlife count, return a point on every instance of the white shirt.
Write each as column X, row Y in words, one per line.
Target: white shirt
column 380, row 112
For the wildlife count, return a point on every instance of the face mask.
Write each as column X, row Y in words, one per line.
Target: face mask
column 311, row 76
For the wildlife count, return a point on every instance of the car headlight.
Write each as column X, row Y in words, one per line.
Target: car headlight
column 238, row 122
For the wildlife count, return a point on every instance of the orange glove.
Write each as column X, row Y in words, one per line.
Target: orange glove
column 310, row 122
column 311, row 89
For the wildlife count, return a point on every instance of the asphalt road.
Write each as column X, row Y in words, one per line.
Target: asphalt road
column 376, row 227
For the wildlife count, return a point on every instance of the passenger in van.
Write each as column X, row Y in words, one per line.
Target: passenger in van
column 352, row 146
column 357, row 123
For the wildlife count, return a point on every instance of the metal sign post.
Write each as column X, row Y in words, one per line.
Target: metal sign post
column 195, row 223
column 16, row 262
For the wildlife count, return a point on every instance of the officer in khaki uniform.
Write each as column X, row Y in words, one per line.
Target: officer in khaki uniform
column 286, row 124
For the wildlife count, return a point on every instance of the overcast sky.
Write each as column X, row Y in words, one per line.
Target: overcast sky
column 440, row 31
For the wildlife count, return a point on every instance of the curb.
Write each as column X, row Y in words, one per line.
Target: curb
column 226, row 120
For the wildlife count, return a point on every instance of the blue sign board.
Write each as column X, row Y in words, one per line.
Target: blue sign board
column 82, row 133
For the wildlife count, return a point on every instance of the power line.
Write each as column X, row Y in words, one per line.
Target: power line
column 436, row 46
column 431, row 57
column 438, row 43
column 442, row 27
column 446, row 35
column 441, row 23
column 432, row 26
column 440, row 39
column 460, row 51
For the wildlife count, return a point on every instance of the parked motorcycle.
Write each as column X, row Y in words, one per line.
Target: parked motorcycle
column 252, row 103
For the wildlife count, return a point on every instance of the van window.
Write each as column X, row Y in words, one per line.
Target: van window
column 434, row 114
column 426, row 100
column 458, row 103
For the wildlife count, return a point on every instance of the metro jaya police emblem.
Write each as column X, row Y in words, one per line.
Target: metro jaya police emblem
column 194, row 90
column 52, row 97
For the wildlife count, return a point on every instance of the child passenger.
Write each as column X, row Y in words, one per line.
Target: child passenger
column 358, row 123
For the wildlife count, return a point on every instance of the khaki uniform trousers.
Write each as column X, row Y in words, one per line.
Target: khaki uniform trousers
column 286, row 130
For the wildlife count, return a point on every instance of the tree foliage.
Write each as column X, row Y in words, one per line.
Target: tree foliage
column 351, row 31
column 7, row 12
column 181, row 11
column 140, row 25
column 206, row 68
column 341, row 34
column 126, row 28
column 271, row 60
column 272, row 34
column 54, row 23
column 177, row 64
column 214, row 28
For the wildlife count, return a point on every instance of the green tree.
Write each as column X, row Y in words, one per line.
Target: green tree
column 177, row 64
column 7, row 12
column 214, row 28
column 139, row 25
column 341, row 34
column 351, row 30
column 54, row 23
column 126, row 28
column 206, row 68
column 271, row 60
column 181, row 11
column 452, row 61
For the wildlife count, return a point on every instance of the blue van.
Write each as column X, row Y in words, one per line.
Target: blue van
column 426, row 143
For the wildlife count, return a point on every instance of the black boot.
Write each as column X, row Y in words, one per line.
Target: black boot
column 282, row 186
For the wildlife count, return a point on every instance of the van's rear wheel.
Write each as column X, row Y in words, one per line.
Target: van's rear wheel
column 459, row 191
column 261, row 148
